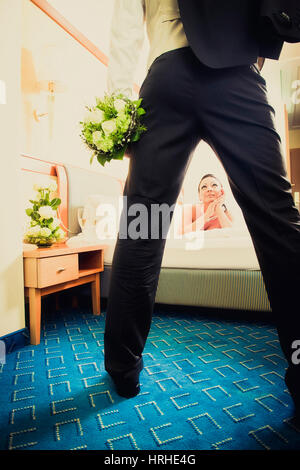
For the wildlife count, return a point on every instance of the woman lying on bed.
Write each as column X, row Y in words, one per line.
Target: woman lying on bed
column 211, row 212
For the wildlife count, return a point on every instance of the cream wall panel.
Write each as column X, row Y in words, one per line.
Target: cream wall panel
column 12, row 316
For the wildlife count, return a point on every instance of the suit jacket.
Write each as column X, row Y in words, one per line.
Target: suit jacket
column 222, row 33
column 226, row 33
column 281, row 19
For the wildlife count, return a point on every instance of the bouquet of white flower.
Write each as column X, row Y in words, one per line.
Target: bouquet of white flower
column 44, row 229
column 110, row 126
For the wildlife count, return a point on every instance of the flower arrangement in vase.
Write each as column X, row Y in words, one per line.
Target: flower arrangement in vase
column 44, row 228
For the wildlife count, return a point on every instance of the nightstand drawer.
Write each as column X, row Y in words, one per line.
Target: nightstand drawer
column 56, row 269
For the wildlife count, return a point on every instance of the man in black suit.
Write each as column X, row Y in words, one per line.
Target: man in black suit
column 211, row 90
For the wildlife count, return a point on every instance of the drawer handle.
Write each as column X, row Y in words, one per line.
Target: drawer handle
column 61, row 269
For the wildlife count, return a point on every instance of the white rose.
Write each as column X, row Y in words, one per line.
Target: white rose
column 60, row 234
column 53, row 186
column 96, row 116
column 46, row 212
column 28, row 232
column 97, row 136
column 87, row 117
column 36, row 230
column 119, row 104
column 33, row 231
column 45, row 232
column 40, row 187
column 109, row 126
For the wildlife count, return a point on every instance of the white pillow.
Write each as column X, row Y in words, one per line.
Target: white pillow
column 102, row 213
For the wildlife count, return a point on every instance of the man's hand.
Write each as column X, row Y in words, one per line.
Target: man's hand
column 210, row 212
column 219, row 202
column 260, row 62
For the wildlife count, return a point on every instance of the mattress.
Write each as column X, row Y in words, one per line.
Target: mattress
column 226, row 248
column 219, row 268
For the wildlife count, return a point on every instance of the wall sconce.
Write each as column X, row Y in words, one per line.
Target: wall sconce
column 51, row 66
column 52, row 87
column 38, row 116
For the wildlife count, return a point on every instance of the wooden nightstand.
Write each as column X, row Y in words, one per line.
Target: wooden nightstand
column 48, row 270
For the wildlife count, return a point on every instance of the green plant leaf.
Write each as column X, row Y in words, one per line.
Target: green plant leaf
column 35, row 215
column 102, row 160
column 55, row 202
column 120, row 154
column 138, row 102
column 136, row 136
column 141, row 111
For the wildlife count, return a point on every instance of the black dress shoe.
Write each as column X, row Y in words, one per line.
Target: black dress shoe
column 127, row 388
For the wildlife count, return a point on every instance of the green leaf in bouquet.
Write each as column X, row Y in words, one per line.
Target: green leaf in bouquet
column 119, row 154
column 138, row 102
column 141, row 111
column 35, row 215
column 55, row 203
column 101, row 159
column 88, row 136
column 29, row 212
column 136, row 136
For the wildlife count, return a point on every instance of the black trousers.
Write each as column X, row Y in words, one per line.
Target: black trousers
column 186, row 101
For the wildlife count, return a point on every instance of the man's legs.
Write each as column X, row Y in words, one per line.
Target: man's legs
column 239, row 126
column 157, row 168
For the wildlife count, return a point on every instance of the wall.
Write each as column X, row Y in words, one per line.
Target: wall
column 82, row 78
column 11, row 267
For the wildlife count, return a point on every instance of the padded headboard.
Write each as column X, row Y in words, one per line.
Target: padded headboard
column 82, row 183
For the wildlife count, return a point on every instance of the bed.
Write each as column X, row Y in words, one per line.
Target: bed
column 218, row 269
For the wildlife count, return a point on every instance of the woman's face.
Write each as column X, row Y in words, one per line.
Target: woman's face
column 210, row 189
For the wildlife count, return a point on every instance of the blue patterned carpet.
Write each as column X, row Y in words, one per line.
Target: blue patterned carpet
column 207, row 384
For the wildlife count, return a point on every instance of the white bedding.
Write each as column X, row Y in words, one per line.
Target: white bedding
column 214, row 249
column 227, row 248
